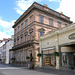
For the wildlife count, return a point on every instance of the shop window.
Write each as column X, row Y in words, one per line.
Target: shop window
column 49, row 60
column 68, row 59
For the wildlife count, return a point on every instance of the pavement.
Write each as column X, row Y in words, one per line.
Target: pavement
column 23, row 70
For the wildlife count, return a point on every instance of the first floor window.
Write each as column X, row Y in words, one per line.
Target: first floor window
column 25, row 37
column 41, row 33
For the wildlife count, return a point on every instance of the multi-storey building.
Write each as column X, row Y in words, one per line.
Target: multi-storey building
column 33, row 23
column 4, row 49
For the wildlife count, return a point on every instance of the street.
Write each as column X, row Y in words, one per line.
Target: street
column 20, row 70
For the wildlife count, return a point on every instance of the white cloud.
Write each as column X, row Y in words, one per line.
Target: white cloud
column 55, row 0
column 6, row 28
column 68, row 8
column 4, row 35
column 22, row 5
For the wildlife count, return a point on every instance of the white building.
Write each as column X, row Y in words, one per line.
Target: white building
column 5, row 50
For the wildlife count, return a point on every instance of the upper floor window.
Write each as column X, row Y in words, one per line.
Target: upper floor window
column 17, row 40
column 18, row 28
column 51, row 22
column 21, row 39
column 41, row 19
column 31, row 35
column 31, row 19
column 21, row 26
column 26, row 22
column 41, row 33
column 15, row 31
column 25, row 37
column 59, row 24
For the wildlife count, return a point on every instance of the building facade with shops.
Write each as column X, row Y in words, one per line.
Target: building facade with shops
column 33, row 23
column 61, row 41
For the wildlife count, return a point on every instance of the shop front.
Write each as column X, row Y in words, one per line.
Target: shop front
column 63, row 42
column 68, row 56
column 68, row 59
column 48, row 58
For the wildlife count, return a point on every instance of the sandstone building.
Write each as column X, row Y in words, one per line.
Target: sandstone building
column 36, row 21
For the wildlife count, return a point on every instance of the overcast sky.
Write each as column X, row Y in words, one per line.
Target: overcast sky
column 11, row 10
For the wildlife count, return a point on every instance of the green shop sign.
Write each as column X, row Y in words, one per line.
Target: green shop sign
column 72, row 36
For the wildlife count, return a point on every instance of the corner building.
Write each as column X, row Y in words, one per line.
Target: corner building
column 33, row 23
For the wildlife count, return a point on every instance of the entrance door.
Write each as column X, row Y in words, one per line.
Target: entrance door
column 74, row 59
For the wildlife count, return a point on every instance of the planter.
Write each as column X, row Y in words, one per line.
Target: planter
column 56, row 53
column 27, row 57
column 39, row 54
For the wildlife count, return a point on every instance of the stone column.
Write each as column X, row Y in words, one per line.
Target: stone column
column 41, row 53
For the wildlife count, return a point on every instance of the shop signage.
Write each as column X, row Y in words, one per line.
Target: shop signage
column 72, row 36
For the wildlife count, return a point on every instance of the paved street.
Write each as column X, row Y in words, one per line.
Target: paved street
column 20, row 70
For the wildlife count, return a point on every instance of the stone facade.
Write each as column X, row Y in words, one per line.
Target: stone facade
column 35, row 21
column 61, row 41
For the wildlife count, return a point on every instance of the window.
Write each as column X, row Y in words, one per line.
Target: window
column 15, row 31
column 41, row 20
column 59, row 24
column 17, row 40
column 26, row 22
column 25, row 37
column 31, row 35
column 21, row 39
column 31, row 19
column 18, row 28
column 21, row 26
column 41, row 33
column 51, row 22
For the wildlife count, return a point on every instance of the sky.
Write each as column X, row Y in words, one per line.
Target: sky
column 11, row 10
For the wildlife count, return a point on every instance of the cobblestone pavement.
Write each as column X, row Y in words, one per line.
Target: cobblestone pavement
column 22, row 70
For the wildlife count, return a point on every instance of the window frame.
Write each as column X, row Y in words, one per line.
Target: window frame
column 41, row 19
column 42, row 33
column 51, row 22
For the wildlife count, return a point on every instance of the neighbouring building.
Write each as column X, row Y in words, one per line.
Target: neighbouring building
column 2, row 42
column 61, row 41
column 33, row 23
column 5, row 46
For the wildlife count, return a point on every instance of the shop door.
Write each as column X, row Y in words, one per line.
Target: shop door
column 74, row 59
